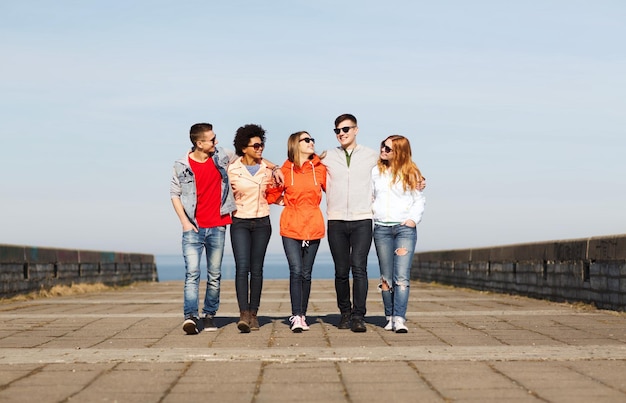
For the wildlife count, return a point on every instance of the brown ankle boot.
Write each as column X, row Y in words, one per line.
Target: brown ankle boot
column 254, row 321
column 244, row 322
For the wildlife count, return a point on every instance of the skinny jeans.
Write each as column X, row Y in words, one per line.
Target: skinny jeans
column 249, row 238
column 300, row 256
column 395, row 246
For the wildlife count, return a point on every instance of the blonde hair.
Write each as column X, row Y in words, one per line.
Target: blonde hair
column 400, row 164
column 293, row 148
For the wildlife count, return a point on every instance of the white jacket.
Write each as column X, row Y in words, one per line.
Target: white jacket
column 391, row 204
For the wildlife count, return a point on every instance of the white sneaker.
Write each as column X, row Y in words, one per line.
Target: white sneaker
column 389, row 325
column 296, row 324
column 399, row 325
column 303, row 323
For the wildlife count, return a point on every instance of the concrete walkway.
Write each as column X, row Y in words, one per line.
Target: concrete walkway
column 463, row 346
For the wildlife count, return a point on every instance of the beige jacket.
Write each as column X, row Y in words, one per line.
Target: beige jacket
column 250, row 191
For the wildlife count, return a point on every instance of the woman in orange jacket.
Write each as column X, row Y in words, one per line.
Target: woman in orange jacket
column 301, row 222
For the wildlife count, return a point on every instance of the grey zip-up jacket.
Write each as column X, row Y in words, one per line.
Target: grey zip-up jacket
column 349, row 189
column 183, row 184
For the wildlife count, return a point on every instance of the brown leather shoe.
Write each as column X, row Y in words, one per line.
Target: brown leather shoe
column 254, row 321
column 244, row 322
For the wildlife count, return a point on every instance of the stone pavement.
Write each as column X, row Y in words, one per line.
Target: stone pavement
column 127, row 345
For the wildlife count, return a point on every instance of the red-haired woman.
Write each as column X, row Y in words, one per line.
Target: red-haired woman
column 398, row 207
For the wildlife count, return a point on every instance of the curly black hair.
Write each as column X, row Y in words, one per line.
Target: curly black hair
column 244, row 134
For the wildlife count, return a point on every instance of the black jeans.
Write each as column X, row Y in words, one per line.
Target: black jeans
column 249, row 238
column 350, row 243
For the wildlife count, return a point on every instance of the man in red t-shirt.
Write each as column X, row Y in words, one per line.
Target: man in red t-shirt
column 203, row 200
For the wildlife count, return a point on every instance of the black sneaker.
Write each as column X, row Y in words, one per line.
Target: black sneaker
column 209, row 326
column 344, row 322
column 190, row 325
column 358, row 325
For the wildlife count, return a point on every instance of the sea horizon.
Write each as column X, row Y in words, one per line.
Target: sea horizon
column 171, row 267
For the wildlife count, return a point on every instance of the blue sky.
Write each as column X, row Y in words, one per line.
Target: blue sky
column 516, row 111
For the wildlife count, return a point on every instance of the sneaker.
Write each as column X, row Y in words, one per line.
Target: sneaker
column 190, row 326
column 209, row 325
column 344, row 322
column 358, row 325
column 399, row 325
column 303, row 323
column 296, row 324
column 389, row 325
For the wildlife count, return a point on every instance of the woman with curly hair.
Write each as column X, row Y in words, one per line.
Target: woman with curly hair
column 250, row 231
column 398, row 206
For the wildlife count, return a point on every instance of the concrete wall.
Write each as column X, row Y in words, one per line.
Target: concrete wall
column 591, row 270
column 28, row 268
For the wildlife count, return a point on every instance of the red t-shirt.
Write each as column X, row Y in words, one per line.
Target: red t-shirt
column 209, row 193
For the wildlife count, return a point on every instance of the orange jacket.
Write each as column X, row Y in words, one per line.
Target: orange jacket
column 302, row 194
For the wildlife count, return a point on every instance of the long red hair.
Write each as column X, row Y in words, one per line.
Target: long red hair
column 401, row 164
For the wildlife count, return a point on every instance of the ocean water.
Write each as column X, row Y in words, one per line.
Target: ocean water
column 172, row 267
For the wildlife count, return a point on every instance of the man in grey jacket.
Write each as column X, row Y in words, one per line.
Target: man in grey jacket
column 203, row 200
column 349, row 210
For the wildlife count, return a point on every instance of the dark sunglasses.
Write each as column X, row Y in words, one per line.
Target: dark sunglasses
column 308, row 140
column 256, row 146
column 386, row 148
column 344, row 129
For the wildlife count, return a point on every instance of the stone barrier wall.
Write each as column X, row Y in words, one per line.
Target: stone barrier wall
column 28, row 268
column 591, row 270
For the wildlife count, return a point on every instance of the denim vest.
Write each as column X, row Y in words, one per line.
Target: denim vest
column 183, row 185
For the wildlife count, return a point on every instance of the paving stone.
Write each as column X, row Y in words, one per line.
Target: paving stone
column 127, row 345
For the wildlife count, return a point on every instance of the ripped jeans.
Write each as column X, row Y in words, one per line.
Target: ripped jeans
column 395, row 246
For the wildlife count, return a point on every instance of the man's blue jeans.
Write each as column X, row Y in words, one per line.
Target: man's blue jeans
column 300, row 258
column 395, row 246
column 249, row 238
column 212, row 240
column 350, row 243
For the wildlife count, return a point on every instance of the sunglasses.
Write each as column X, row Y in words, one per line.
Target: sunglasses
column 386, row 148
column 308, row 140
column 256, row 146
column 343, row 129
